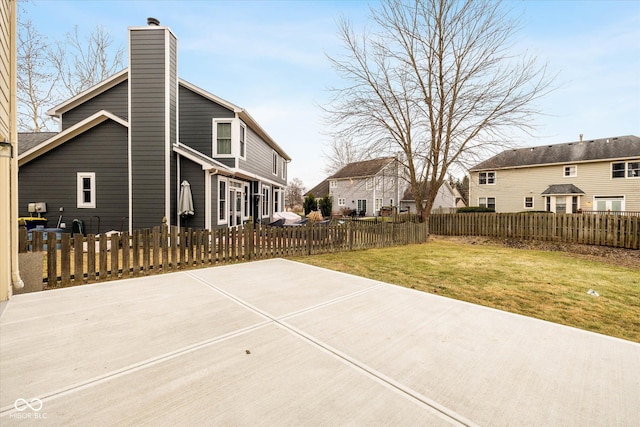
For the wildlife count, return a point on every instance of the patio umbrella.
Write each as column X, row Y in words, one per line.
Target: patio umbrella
column 185, row 201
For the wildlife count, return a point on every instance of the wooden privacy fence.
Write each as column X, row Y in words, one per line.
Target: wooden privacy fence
column 604, row 230
column 75, row 260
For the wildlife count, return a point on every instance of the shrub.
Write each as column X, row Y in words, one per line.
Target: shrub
column 315, row 216
column 475, row 209
column 325, row 205
column 310, row 204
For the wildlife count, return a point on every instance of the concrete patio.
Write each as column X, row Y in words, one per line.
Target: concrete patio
column 281, row 343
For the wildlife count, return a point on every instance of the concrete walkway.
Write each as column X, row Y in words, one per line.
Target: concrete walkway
column 281, row 343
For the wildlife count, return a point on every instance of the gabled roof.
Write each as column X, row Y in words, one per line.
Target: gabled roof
column 319, row 190
column 28, row 140
column 69, row 133
column 620, row 147
column 363, row 169
column 123, row 75
column 561, row 189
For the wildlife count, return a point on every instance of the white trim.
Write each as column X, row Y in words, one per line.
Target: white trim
column 571, row 175
column 208, row 176
column 69, row 133
column 225, row 220
column 80, row 177
column 241, row 126
column 167, row 126
column 487, row 172
column 262, row 201
column 129, row 162
column 195, row 156
column 274, row 162
column 622, row 198
column 214, row 137
column 533, row 202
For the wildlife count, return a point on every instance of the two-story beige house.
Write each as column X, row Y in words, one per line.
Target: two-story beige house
column 586, row 175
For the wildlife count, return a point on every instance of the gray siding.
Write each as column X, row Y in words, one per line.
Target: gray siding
column 52, row 178
column 147, row 86
column 113, row 100
column 193, row 173
column 196, row 114
column 260, row 159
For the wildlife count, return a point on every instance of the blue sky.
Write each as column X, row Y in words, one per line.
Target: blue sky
column 269, row 58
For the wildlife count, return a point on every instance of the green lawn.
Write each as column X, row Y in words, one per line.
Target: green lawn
column 547, row 285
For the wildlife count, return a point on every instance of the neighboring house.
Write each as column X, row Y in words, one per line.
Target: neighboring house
column 447, row 200
column 364, row 186
column 594, row 175
column 127, row 144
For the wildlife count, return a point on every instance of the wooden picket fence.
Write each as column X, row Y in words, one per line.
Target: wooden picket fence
column 622, row 231
column 74, row 260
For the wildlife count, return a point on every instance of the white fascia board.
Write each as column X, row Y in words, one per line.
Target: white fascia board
column 69, row 133
column 195, row 156
column 93, row 91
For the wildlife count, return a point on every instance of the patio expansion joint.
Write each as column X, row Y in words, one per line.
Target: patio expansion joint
column 72, row 388
column 436, row 408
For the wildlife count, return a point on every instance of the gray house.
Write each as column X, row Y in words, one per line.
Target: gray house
column 599, row 175
column 127, row 145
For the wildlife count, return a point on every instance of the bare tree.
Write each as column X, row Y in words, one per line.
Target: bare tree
column 294, row 192
column 439, row 81
column 341, row 153
column 83, row 63
column 36, row 79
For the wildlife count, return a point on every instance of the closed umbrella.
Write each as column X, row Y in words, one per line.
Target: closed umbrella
column 185, row 201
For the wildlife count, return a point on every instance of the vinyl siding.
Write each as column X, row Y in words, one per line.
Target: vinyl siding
column 103, row 150
column 512, row 185
column 259, row 159
column 196, row 115
column 113, row 100
column 193, row 173
column 353, row 189
column 147, row 87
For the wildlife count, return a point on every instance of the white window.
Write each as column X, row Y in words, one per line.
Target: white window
column 333, row 183
column 625, row 169
column 276, row 201
column 243, row 141
column 342, row 201
column 378, row 204
column 561, row 204
column 265, row 200
column 528, row 202
column 222, row 201
column 275, row 163
column 222, row 138
column 487, row 178
column 608, row 203
column 487, row 202
column 86, row 182
column 570, row 171
column 283, row 169
column 246, row 198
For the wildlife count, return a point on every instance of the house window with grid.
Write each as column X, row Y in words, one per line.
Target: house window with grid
column 633, row 169
column 342, row 201
column 86, row 182
column 223, row 138
column 487, row 178
column 570, row 171
column 333, row 183
column 487, row 202
column 528, row 202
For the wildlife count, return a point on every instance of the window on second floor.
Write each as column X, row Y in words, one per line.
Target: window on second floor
column 342, row 201
column 570, row 171
column 625, row 169
column 275, row 163
column 333, row 183
column 487, row 178
column 243, row 141
column 223, row 138
column 528, row 202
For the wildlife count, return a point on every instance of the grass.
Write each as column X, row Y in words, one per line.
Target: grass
column 546, row 285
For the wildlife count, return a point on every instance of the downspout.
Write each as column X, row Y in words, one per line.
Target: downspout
column 16, row 280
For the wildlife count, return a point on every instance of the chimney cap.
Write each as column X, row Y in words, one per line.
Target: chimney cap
column 152, row 21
